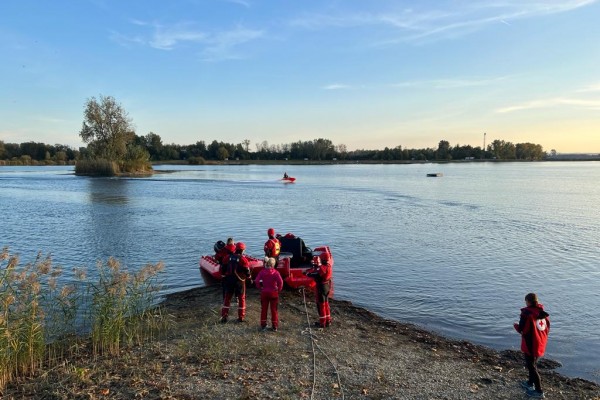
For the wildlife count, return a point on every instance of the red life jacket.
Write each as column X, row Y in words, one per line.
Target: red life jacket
column 272, row 247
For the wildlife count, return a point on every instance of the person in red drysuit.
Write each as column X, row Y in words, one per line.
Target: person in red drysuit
column 272, row 245
column 222, row 250
column 321, row 273
column 270, row 283
column 235, row 271
column 534, row 327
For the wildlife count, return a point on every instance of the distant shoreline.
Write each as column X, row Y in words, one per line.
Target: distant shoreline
column 354, row 162
column 4, row 163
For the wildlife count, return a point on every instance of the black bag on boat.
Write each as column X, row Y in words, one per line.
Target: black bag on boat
column 219, row 246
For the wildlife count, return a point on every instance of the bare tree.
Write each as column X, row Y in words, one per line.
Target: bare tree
column 246, row 143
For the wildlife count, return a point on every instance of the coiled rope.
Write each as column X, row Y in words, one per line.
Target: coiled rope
column 314, row 344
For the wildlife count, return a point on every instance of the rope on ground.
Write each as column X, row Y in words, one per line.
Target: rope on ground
column 313, row 344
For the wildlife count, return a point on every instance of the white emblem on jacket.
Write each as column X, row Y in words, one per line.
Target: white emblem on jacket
column 540, row 324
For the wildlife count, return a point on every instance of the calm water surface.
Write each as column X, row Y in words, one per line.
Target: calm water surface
column 455, row 254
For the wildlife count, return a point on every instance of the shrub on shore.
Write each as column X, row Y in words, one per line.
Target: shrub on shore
column 42, row 323
column 136, row 160
column 196, row 161
column 136, row 167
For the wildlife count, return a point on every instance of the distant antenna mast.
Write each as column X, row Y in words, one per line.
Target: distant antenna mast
column 483, row 145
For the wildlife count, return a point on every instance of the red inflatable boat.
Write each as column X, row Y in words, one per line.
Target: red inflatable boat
column 210, row 266
column 294, row 260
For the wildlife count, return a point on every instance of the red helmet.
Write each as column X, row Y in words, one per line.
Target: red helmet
column 240, row 246
column 271, row 232
column 325, row 257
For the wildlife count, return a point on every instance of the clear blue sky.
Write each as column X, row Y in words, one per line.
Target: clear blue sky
column 367, row 74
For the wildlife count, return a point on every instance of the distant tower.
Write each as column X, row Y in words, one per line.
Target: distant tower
column 483, row 153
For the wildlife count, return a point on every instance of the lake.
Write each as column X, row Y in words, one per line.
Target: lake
column 455, row 254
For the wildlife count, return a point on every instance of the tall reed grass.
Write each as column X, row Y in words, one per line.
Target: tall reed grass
column 121, row 306
column 21, row 318
column 43, row 322
column 97, row 167
column 102, row 167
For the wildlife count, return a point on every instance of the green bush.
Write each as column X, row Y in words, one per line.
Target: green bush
column 136, row 167
column 137, row 160
column 196, row 161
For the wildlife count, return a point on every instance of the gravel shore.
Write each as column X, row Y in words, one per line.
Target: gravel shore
column 361, row 356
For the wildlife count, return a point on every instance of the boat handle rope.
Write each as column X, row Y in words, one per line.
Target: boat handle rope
column 313, row 341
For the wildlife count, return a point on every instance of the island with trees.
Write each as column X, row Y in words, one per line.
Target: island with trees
column 111, row 145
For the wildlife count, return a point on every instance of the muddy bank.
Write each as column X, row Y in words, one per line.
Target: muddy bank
column 361, row 356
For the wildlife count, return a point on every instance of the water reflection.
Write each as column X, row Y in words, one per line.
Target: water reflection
column 109, row 224
column 109, row 191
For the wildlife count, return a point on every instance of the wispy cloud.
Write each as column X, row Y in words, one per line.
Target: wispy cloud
column 551, row 103
column 450, row 19
column 212, row 46
column 591, row 88
column 220, row 46
column 337, row 86
column 450, row 83
column 168, row 37
column 50, row 120
column 438, row 84
column 243, row 3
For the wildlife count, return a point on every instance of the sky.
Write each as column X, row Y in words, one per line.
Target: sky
column 366, row 74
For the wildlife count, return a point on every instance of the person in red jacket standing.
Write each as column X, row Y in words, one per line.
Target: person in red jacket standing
column 534, row 326
column 272, row 245
column 234, row 271
column 270, row 283
column 321, row 273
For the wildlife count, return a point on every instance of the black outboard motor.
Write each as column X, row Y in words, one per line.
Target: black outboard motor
column 219, row 246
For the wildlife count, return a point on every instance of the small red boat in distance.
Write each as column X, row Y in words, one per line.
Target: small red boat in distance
column 289, row 179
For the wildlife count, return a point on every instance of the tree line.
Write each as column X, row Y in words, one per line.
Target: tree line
column 109, row 135
column 318, row 149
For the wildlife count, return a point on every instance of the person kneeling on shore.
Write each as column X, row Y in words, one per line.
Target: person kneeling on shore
column 235, row 270
column 321, row 273
column 534, row 326
column 270, row 283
